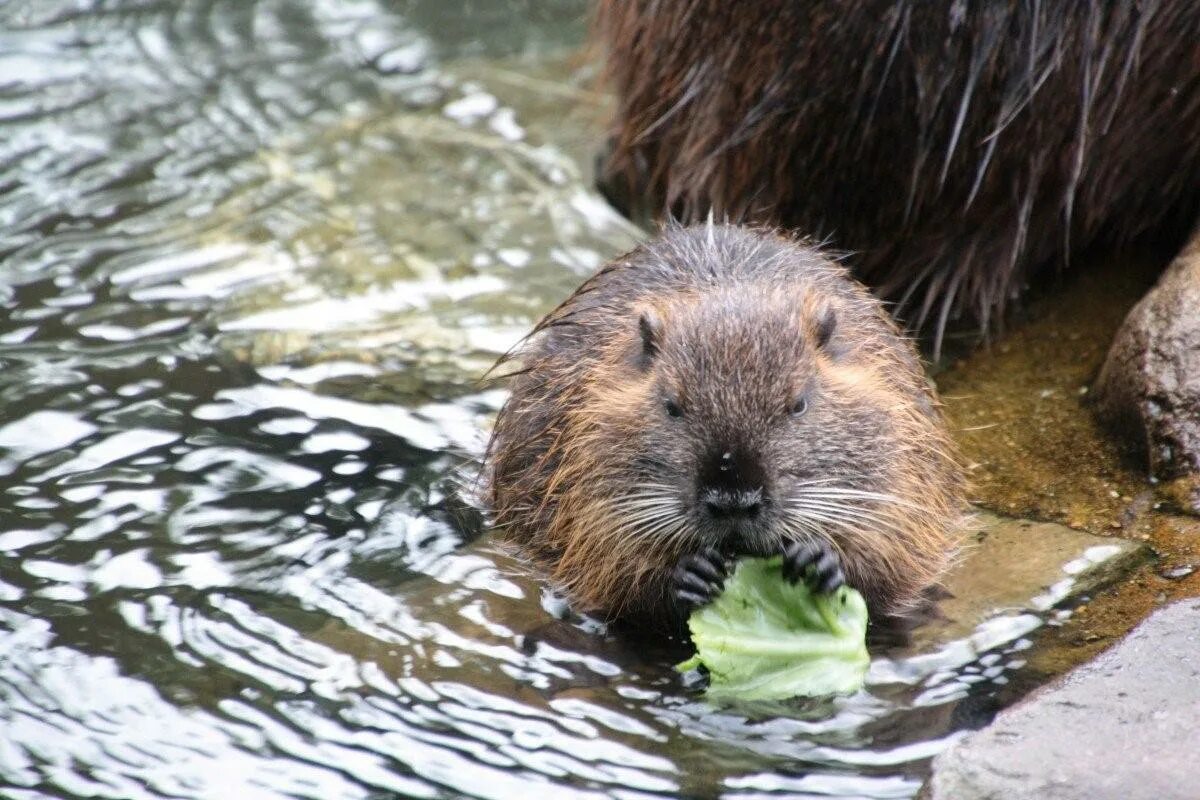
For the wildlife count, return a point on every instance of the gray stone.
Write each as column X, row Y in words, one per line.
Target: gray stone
column 1149, row 386
column 1177, row 573
column 1124, row 726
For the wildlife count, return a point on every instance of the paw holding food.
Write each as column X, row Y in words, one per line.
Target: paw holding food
column 764, row 637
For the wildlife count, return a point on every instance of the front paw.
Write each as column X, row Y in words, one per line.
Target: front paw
column 814, row 562
column 698, row 578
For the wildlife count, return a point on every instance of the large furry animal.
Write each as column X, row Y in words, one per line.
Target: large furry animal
column 955, row 146
column 718, row 392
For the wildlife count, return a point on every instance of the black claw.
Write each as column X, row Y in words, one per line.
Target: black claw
column 815, row 563
column 698, row 578
column 710, row 566
column 692, row 598
column 690, row 580
column 831, row 581
column 797, row 556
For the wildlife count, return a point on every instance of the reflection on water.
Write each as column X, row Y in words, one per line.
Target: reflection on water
column 253, row 258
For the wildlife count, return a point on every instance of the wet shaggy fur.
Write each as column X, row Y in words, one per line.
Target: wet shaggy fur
column 719, row 339
column 954, row 146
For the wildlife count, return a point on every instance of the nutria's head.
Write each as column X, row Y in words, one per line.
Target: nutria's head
column 714, row 394
column 750, row 420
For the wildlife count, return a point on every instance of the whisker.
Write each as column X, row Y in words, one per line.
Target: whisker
column 811, row 532
column 679, row 535
column 837, row 492
column 857, row 512
column 864, row 524
column 848, row 491
column 646, row 515
column 636, row 507
column 652, row 531
column 839, row 514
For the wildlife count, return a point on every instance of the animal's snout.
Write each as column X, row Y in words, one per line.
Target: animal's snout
column 732, row 503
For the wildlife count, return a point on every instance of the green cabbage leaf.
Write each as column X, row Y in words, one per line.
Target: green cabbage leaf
column 764, row 638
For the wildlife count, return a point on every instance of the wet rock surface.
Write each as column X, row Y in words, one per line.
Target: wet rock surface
column 1013, row 577
column 1149, row 386
column 1016, row 566
column 1122, row 726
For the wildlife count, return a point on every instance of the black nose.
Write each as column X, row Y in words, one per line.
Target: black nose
column 731, row 484
column 732, row 503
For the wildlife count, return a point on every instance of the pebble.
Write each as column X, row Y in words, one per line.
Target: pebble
column 1177, row 573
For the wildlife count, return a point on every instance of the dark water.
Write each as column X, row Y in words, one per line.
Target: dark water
column 253, row 256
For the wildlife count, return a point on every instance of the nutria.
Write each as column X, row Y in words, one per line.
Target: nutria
column 716, row 392
column 954, row 147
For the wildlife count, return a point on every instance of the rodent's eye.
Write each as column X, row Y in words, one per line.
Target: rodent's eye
column 672, row 408
column 799, row 406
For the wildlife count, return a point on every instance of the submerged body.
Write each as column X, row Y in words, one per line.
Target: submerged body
column 954, row 147
column 716, row 392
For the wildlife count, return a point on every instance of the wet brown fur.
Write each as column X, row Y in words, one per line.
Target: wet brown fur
column 569, row 444
column 955, row 147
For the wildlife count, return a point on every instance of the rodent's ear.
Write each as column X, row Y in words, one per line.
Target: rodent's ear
column 826, row 324
column 650, row 327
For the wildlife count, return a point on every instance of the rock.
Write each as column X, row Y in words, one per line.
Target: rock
column 1017, row 566
column 1149, row 386
column 1177, row 573
column 1183, row 493
column 1122, row 726
column 1011, row 575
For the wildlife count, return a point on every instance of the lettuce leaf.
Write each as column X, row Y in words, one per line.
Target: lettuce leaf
column 763, row 638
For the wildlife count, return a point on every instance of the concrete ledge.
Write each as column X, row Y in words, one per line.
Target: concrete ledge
column 1125, row 726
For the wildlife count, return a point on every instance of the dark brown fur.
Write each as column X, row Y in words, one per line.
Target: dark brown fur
column 955, row 147
column 597, row 484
